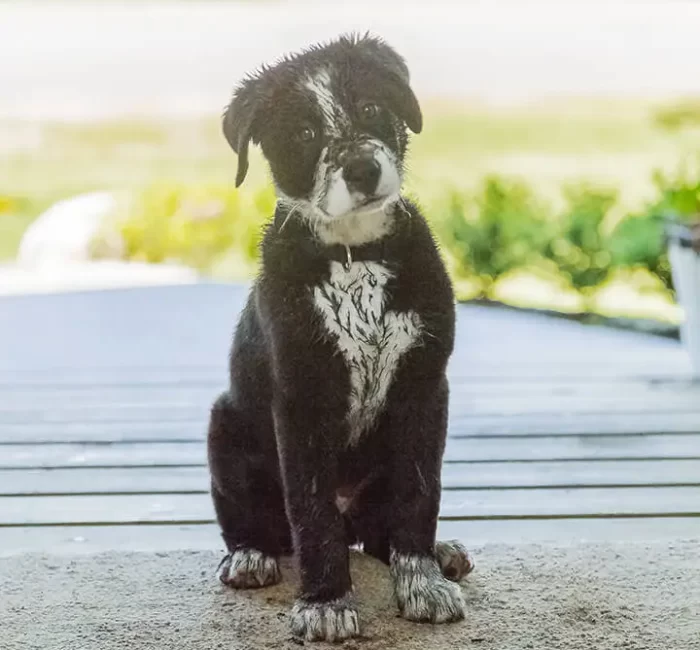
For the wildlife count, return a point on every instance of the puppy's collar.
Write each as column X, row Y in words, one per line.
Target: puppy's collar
column 376, row 251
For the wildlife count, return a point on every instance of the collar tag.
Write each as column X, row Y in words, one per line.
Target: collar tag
column 348, row 262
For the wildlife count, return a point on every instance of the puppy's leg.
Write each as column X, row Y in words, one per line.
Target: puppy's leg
column 417, row 424
column 369, row 519
column 247, row 496
column 325, row 608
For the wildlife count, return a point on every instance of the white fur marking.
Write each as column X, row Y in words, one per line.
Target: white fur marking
column 338, row 198
column 358, row 227
column 335, row 620
column 248, row 568
column 422, row 593
column 332, row 192
column 371, row 339
column 389, row 179
column 320, row 86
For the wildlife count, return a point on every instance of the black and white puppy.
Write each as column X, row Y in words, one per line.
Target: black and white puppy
column 333, row 429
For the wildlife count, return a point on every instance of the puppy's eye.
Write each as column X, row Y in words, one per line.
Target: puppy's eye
column 306, row 134
column 369, row 111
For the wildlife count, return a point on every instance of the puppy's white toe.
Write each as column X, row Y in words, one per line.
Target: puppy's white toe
column 334, row 620
column 454, row 560
column 422, row 592
column 247, row 568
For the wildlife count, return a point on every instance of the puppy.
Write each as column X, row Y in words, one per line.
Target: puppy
column 333, row 429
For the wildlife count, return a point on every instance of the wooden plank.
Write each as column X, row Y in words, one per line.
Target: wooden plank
column 567, row 531
column 464, row 404
column 615, row 367
column 103, row 414
column 458, row 450
column 30, row 401
column 80, row 455
column 151, row 404
column 574, row 424
column 114, row 375
column 185, row 388
column 194, row 428
column 106, row 432
column 574, row 502
column 573, row 448
column 670, row 368
column 454, row 475
column 475, row 534
column 110, row 480
column 185, row 391
column 574, row 386
column 463, row 369
column 467, row 504
column 166, row 538
column 581, row 474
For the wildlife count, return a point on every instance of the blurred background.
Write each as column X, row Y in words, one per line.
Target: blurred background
column 556, row 137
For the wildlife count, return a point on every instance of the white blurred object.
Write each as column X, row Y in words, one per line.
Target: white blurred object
column 685, row 265
column 66, row 232
column 58, row 251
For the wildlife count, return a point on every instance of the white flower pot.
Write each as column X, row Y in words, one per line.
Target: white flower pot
column 684, row 253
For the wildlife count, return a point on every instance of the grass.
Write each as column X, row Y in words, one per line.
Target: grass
column 547, row 144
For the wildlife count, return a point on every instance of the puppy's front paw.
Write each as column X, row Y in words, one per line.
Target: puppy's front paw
column 247, row 568
column 333, row 620
column 422, row 593
column 454, row 560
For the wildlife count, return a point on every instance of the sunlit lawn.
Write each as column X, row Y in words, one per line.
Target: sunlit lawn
column 613, row 143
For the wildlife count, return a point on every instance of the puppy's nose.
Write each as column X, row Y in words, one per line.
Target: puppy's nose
column 362, row 174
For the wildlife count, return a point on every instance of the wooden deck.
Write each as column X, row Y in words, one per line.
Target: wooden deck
column 558, row 430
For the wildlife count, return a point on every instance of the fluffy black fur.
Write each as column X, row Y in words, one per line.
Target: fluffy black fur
column 278, row 438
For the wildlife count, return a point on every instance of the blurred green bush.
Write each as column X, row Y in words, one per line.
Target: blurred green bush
column 193, row 224
column 579, row 247
column 684, row 113
column 502, row 228
column 638, row 240
column 488, row 234
column 679, row 192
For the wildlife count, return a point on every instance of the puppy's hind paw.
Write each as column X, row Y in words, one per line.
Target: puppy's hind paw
column 454, row 560
column 422, row 592
column 334, row 620
column 247, row 568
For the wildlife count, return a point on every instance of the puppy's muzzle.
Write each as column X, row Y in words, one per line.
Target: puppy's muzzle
column 361, row 173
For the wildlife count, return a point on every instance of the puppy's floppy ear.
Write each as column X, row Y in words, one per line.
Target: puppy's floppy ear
column 403, row 102
column 239, row 121
column 396, row 89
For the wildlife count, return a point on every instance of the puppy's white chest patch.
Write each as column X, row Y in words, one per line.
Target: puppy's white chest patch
column 371, row 338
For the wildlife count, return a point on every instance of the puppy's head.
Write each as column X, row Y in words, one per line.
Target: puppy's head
column 331, row 122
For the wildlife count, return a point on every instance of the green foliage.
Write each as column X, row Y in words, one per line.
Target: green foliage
column 638, row 242
column 579, row 246
column 193, row 224
column 678, row 115
column 501, row 229
column 199, row 219
column 679, row 192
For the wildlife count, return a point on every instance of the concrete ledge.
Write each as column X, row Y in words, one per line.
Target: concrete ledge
column 535, row 597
